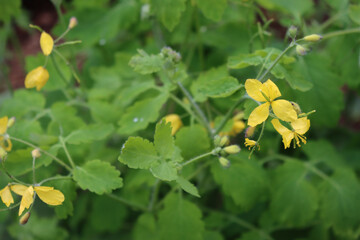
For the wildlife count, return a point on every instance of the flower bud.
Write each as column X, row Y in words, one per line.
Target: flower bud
column 224, row 162
column 38, row 77
column 35, row 153
column 25, row 218
column 224, row 141
column 3, row 153
column 175, row 121
column 249, row 131
column 296, row 107
column 46, row 43
column 313, row 38
column 11, row 122
column 233, row 149
column 217, row 139
column 72, row 22
column 301, row 50
column 292, row 31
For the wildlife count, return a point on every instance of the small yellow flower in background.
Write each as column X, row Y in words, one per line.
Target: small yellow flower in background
column 48, row 195
column 175, row 121
column 251, row 143
column 267, row 92
column 300, row 127
column 46, row 43
column 38, row 77
column 5, row 142
column 6, row 196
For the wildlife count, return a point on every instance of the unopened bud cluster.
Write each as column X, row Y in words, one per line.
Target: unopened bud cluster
column 223, row 151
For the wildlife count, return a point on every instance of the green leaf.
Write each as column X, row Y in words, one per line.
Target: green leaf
column 104, row 112
column 212, row 9
column 19, row 162
column 324, row 152
column 97, row 176
column 213, row 235
column 23, row 102
column 244, row 60
column 354, row 13
column 325, row 97
column 180, row 219
column 107, row 214
column 295, row 201
column 244, row 181
column 188, row 136
column 212, row 75
column 9, row 9
column 68, row 188
column 144, row 63
column 165, row 171
column 90, row 133
column 145, row 228
column 220, row 88
column 138, row 153
column 168, row 11
column 187, row 186
column 163, row 140
column 138, row 116
column 339, row 198
column 128, row 94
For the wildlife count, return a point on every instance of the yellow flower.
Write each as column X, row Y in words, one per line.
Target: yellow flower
column 300, row 127
column 175, row 121
column 48, row 195
column 38, row 77
column 5, row 142
column 46, row 43
column 251, row 143
column 267, row 92
column 6, row 196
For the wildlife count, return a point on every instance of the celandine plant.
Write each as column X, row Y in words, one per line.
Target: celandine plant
column 207, row 139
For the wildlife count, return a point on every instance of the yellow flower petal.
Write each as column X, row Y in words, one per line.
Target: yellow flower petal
column 272, row 91
column 284, row 110
column 7, row 146
column 38, row 77
column 18, row 189
column 27, row 199
column 279, row 127
column 175, row 121
column 3, row 124
column 6, row 196
column 301, row 125
column 259, row 114
column 250, row 143
column 253, row 88
column 49, row 195
column 287, row 138
column 46, row 43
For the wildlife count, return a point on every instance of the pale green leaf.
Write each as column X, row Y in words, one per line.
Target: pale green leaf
column 138, row 153
column 212, row 9
column 165, row 171
column 168, row 11
column 187, row 186
column 142, row 113
column 90, row 133
column 179, row 220
column 219, row 88
column 163, row 140
column 68, row 188
column 144, row 63
column 244, row 60
column 354, row 13
column 145, row 228
column 97, row 176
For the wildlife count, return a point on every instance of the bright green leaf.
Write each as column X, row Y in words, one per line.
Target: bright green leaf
column 168, row 11
column 90, row 133
column 97, row 176
column 212, row 9
column 187, row 186
column 163, row 140
column 145, row 228
column 354, row 13
column 165, row 171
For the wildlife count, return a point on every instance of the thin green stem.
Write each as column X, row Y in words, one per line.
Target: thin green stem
column 228, row 114
column 33, row 169
column 341, row 32
column 263, row 66
column 60, row 16
column 55, row 178
column 197, row 108
column 57, row 68
column 154, row 195
column 9, row 208
column 127, row 202
column 68, row 64
column 291, row 45
column 63, row 144
column 258, row 140
column 43, row 151
column 68, row 43
column 62, row 35
column 196, row 158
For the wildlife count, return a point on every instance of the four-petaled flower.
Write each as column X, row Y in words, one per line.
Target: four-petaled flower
column 299, row 128
column 267, row 92
column 48, row 195
column 5, row 142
